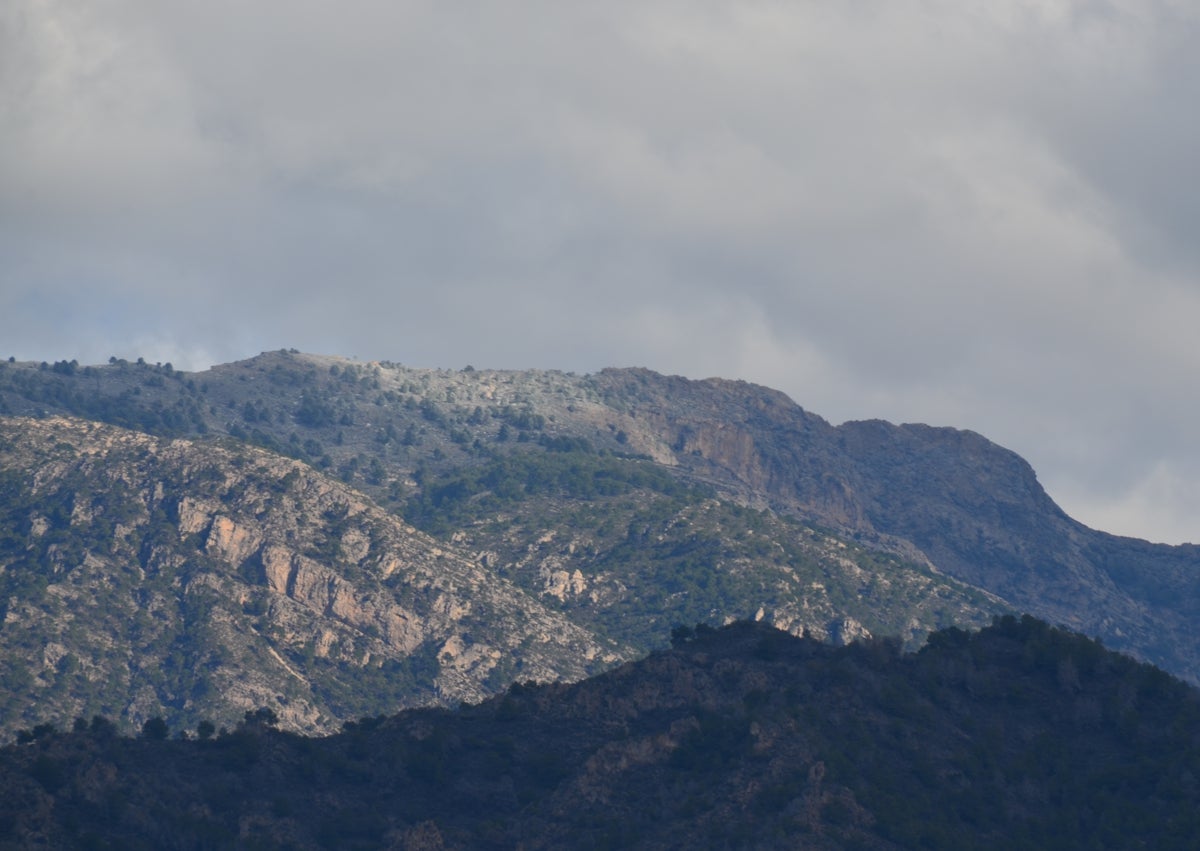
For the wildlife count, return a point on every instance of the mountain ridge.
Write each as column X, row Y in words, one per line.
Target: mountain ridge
column 589, row 492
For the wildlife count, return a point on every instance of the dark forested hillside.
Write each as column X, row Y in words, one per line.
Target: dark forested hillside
column 1018, row 736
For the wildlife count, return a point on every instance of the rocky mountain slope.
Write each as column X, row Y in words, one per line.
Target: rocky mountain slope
column 948, row 499
column 1018, row 736
column 968, row 506
column 142, row 577
column 146, row 576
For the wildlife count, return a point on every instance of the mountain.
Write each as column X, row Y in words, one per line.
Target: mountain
column 1016, row 736
column 970, row 508
column 623, row 503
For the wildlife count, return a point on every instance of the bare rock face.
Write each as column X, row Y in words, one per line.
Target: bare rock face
column 230, row 542
column 848, row 630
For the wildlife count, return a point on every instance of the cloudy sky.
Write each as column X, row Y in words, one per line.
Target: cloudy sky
column 973, row 214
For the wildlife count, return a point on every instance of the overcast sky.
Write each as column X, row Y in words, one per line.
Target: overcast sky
column 983, row 215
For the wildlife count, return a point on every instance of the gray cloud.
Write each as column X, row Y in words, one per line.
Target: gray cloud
column 980, row 217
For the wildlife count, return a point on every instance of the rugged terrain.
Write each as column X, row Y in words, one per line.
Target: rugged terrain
column 1018, row 736
column 618, row 505
column 148, row 577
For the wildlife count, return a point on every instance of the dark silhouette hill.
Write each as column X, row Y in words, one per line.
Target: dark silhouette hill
column 1017, row 736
